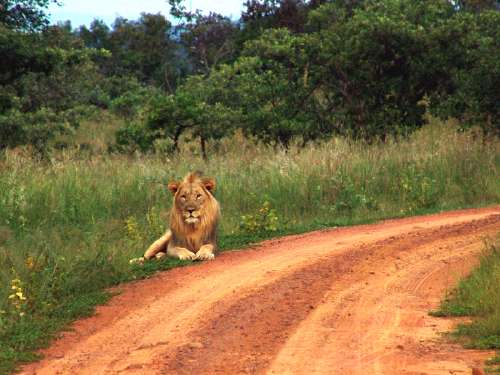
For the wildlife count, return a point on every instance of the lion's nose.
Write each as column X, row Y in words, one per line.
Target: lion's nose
column 190, row 210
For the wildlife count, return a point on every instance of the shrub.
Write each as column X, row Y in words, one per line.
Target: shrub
column 264, row 220
column 34, row 128
column 133, row 137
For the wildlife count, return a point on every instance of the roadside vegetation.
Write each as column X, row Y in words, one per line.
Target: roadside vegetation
column 478, row 296
column 69, row 226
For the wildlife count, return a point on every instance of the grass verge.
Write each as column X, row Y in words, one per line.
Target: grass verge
column 478, row 296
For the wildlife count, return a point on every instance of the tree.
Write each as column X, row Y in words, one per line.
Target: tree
column 196, row 108
column 34, row 128
column 208, row 40
column 471, row 43
column 24, row 15
column 97, row 36
column 143, row 49
column 62, row 36
column 273, row 89
column 22, row 53
column 43, row 76
column 477, row 5
column 260, row 15
column 375, row 66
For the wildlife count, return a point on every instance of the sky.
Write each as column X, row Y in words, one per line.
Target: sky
column 83, row 12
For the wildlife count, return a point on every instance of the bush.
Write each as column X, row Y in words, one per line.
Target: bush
column 133, row 137
column 33, row 128
column 262, row 221
column 131, row 103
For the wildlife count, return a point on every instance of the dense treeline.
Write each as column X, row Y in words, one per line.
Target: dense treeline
column 287, row 70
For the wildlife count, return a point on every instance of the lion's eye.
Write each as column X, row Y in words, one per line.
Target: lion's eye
column 183, row 197
column 198, row 196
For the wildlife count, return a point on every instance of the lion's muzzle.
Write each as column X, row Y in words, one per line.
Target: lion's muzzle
column 191, row 216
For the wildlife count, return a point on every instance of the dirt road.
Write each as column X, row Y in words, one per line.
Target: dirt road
column 343, row 301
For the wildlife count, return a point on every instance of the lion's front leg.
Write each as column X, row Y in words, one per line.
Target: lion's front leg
column 206, row 252
column 160, row 245
column 180, row 253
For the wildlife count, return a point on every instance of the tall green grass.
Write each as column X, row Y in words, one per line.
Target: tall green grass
column 478, row 296
column 69, row 227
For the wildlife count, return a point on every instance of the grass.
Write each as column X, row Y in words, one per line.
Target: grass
column 478, row 296
column 493, row 365
column 69, row 227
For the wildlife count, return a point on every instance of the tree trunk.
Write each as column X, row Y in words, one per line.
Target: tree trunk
column 170, row 89
column 203, row 148
column 177, row 135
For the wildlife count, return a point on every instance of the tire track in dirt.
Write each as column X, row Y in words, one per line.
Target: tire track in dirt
column 268, row 308
column 246, row 337
column 378, row 322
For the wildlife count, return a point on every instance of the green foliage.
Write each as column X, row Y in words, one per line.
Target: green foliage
column 70, row 84
column 261, row 15
column 291, row 71
column 142, row 49
column 493, row 364
column 133, row 137
column 478, row 296
column 195, row 108
column 127, row 105
column 375, row 65
column 96, row 36
column 19, row 55
column 473, row 95
column 132, row 102
column 114, row 87
column 169, row 116
column 348, row 196
column 264, row 220
column 366, row 70
column 209, row 41
column 419, row 191
column 273, row 92
column 477, row 5
column 154, row 227
column 33, row 128
column 24, row 15
column 42, row 86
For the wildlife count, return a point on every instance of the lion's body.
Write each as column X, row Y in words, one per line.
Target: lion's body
column 193, row 221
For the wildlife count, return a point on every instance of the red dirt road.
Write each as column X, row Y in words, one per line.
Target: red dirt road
column 343, row 301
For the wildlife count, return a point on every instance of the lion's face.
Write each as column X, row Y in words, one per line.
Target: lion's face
column 191, row 196
column 189, row 201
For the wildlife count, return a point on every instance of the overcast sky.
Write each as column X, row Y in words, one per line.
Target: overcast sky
column 83, row 12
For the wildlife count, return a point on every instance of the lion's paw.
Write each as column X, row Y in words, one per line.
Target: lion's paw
column 160, row 255
column 186, row 255
column 204, row 255
column 137, row 260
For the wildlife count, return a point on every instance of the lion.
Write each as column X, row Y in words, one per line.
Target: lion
column 194, row 217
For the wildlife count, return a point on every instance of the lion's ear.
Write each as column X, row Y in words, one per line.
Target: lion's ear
column 209, row 184
column 173, row 186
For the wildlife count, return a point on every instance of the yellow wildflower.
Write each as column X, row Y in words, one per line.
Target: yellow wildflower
column 30, row 262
